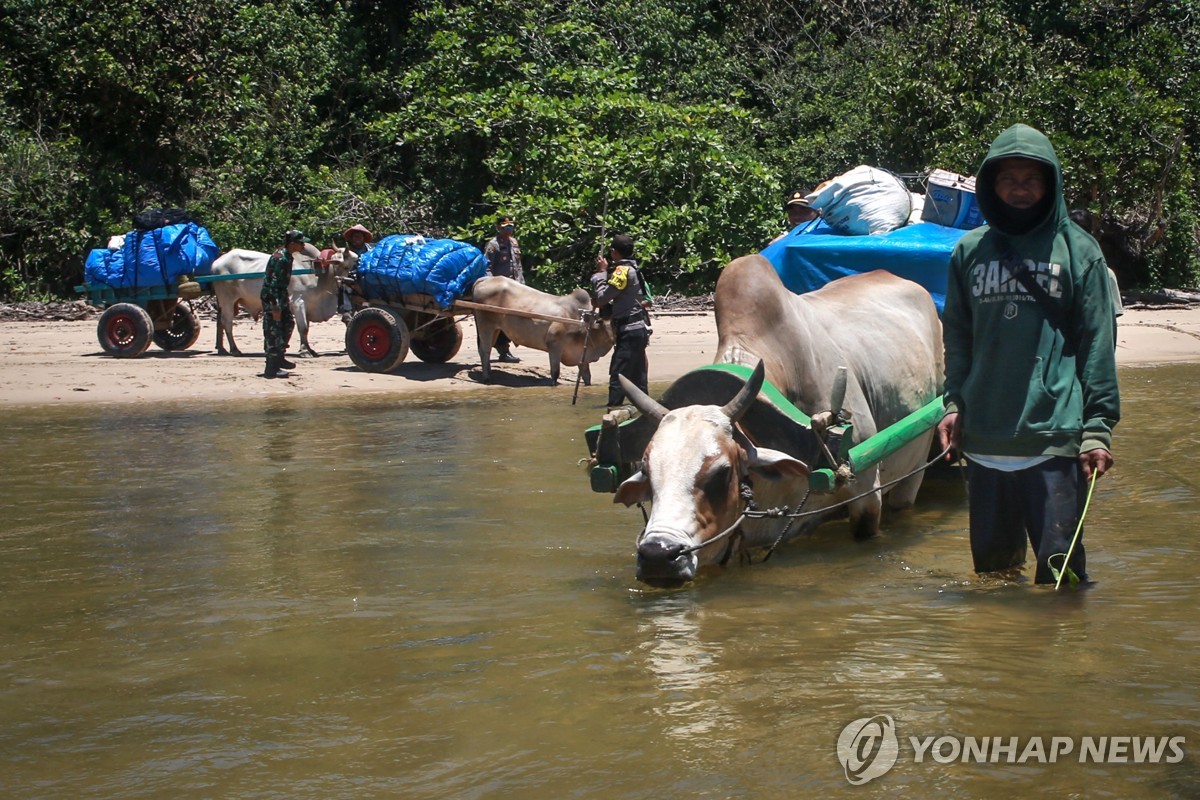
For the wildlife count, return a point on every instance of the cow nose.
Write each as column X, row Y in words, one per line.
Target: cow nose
column 657, row 552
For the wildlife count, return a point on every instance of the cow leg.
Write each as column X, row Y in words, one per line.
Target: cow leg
column 864, row 516
column 227, row 314
column 221, row 332
column 585, row 372
column 555, row 363
column 904, row 493
column 486, row 336
column 300, row 312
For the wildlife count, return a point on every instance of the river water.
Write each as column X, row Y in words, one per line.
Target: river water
column 423, row 599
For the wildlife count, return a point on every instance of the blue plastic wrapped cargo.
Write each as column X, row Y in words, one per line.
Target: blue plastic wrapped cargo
column 814, row 254
column 153, row 258
column 401, row 264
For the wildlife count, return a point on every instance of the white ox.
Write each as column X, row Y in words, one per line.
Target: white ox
column 313, row 298
column 564, row 342
column 883, row 329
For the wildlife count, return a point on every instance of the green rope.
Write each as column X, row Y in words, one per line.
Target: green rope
column 1067, row 571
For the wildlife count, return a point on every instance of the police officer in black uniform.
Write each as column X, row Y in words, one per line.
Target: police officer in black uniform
column 620, row 290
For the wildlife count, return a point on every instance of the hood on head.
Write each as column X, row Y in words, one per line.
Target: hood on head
column 1027, row 142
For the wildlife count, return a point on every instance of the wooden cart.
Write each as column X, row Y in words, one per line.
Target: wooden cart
column 383, row 331
column 135, row 316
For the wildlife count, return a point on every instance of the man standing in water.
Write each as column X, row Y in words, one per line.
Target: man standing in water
column 1031, row 377
column 278, row 322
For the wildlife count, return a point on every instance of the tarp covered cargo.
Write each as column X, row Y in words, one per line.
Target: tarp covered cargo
column 814, row 254
column 402, row 264
column 153, row 258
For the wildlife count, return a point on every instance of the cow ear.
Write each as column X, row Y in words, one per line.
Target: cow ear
column 775, row 465
column 635, row 489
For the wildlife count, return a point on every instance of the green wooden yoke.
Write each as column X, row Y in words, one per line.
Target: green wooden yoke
column 617, row 446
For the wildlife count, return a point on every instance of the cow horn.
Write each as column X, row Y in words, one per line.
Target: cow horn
column 642, row 401
column 740, row 404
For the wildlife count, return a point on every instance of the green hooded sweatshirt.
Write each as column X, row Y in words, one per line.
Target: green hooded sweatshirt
column 1029, row 381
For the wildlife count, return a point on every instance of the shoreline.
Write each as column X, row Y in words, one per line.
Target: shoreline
column 57, row 362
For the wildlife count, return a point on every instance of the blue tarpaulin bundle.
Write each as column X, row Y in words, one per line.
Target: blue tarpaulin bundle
column 402, row 264
column 814, row 254
column 153, row 258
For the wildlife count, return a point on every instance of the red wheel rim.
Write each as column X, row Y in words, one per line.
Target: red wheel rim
column 121, row 330
column 374, row 341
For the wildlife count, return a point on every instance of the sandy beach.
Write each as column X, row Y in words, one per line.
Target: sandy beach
column 57, row 362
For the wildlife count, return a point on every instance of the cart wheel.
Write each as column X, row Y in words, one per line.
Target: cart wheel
column 183, row 333
column 376, row 340
column 125, row 330
column 440, row 344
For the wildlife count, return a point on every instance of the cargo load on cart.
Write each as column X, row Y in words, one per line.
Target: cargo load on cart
column 870, row 221
column 401, row 264
column 148, row 256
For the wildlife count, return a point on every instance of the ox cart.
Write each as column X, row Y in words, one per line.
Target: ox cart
column 385, row 328
column 135, row 316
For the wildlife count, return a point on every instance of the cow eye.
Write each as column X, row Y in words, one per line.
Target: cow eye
column 717, row 483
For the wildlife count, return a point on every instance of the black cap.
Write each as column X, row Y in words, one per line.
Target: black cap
column 795, row 198
column 296, row 236
column 505, row 222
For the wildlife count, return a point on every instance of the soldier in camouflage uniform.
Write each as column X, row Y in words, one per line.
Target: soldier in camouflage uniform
column 503, row 254
column 278, row 322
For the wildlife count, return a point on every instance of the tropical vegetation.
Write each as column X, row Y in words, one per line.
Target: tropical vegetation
column 681, row 122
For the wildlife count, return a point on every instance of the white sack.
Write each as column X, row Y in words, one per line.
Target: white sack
column 863, row 200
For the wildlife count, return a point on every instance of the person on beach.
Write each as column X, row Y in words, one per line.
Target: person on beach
column 503, row 254
column 617, row 287
column 278, row 322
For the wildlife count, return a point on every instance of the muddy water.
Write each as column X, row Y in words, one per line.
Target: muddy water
column 423, row 599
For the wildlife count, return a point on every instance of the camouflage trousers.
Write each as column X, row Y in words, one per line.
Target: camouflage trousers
column 277, row 333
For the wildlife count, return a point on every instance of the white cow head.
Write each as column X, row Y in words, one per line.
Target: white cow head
column 338, row 260
column 692, row 471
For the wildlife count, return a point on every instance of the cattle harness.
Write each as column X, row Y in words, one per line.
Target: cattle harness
column 746, row 492
column 616, row 447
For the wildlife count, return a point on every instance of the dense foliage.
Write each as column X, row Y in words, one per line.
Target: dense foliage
column 678, row 121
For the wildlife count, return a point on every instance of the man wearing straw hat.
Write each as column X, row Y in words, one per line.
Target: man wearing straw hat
column 358, row 240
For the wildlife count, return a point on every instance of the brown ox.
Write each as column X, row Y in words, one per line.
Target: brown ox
column 313, row 298
column 883, row 329
column 564, row 342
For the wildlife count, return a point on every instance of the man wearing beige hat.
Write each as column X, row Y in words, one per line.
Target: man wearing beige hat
column 358, row 239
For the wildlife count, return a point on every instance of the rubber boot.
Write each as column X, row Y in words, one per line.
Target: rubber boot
column 273, row 368
column 283, row 362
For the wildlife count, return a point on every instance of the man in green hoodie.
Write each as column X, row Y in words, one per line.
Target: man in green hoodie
column 1031, row 376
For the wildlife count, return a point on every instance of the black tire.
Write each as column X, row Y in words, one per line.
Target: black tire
column 125, row 330
column 440, row 343
column 376, row 340
column 183, row 333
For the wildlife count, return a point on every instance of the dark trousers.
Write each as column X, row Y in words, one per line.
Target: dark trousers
column 1043, row 503
column 628, row 359
column 277, row 334
column 502, row 342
